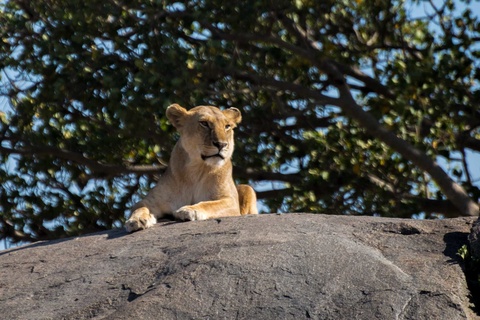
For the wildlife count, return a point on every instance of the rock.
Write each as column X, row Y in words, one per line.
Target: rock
column 474, row 240
column 291, row 266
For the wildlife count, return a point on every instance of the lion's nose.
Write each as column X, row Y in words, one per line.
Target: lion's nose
column 219, row 145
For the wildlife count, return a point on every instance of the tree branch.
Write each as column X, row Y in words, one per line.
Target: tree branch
column 445, row 207
column 465, row 141
column 326, row 64
column 311, row 53
column 274, row 193
column 251, row 174
column 286, row 86
column 452, row 190
column 97, row 167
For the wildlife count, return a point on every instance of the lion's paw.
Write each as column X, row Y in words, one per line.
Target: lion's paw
column 140, row 219
column 187, row 213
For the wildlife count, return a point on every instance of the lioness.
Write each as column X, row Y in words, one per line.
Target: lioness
column 198, row 183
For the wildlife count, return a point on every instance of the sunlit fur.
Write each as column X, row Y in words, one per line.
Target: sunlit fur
column 198, row 183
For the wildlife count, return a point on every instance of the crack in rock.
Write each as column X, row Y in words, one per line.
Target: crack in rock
column 133, row 295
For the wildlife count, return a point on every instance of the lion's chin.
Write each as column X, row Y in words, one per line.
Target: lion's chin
column 216, row 160
column 218, row 155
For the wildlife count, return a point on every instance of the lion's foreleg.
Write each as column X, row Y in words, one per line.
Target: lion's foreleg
column 141, row 218
column 155, row 205
column 208, row 210
column 247, row 199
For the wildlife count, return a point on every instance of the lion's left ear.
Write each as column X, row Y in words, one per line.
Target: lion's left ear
column 233, row 114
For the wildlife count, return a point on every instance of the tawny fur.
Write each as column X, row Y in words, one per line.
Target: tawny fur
column 198, row 183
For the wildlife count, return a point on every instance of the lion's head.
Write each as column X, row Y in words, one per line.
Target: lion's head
column 206, row 132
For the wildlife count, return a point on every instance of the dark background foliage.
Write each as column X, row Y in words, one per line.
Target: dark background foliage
column 346, row 105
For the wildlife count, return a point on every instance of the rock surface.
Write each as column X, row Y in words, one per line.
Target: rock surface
column 291, row 266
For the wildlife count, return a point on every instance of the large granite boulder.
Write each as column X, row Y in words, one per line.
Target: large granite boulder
column 291, row 266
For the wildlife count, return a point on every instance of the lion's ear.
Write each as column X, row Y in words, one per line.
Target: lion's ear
column 233, row 114
column 176, row 114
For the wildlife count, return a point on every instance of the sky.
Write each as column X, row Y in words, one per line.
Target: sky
column 473, row 158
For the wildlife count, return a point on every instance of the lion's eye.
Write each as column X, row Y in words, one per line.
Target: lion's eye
column 204, row 124
column 228, row 127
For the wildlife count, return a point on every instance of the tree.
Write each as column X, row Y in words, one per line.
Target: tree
column 347, row 105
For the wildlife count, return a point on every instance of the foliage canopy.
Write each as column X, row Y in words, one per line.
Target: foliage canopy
column 346, row 104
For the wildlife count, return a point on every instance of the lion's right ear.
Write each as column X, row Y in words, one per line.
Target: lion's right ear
column 176, row 115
